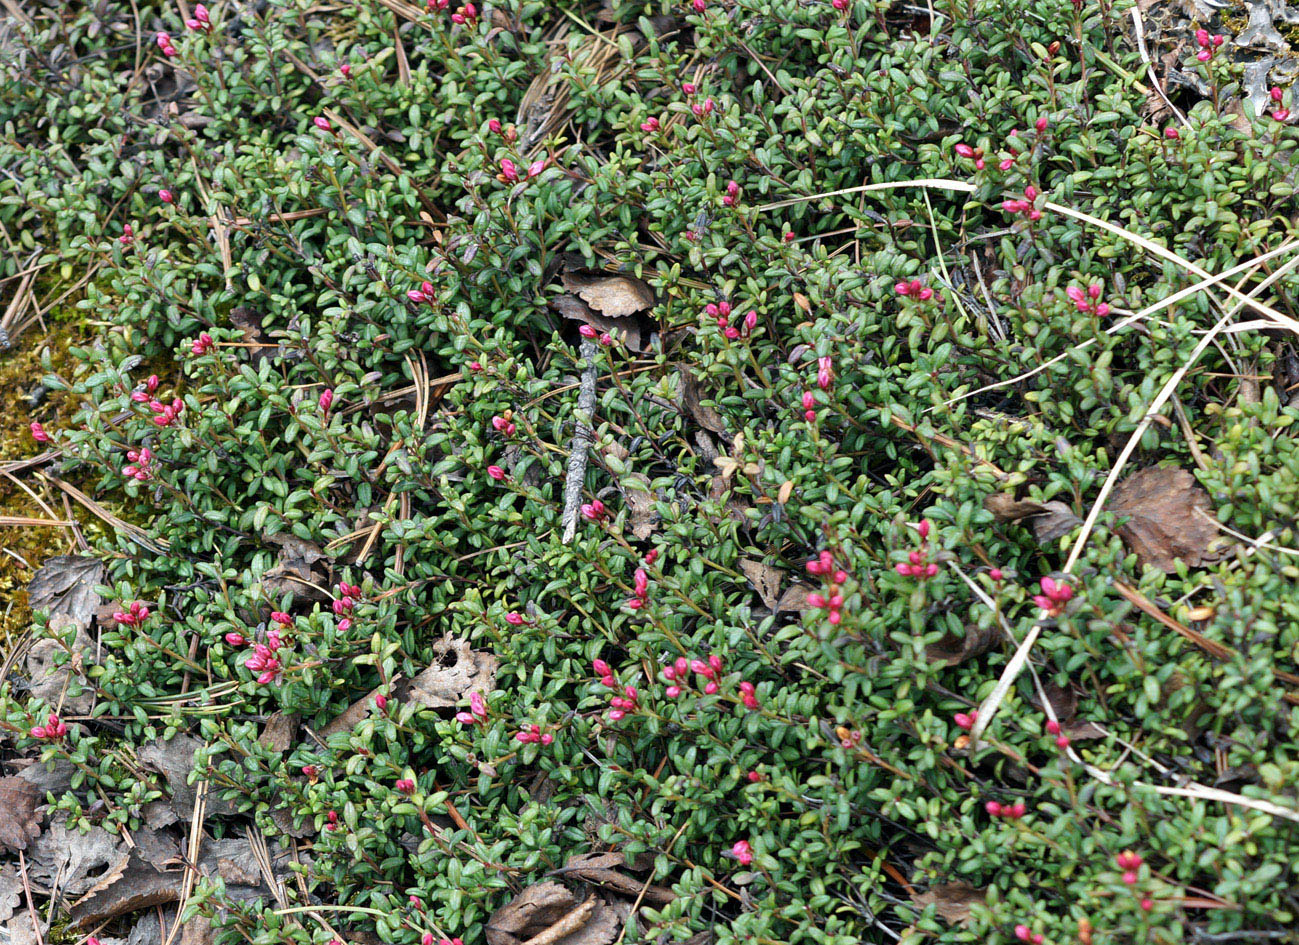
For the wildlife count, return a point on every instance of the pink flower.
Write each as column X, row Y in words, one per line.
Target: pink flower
column 742, row 852
column 1054, row 596
column 1172, row 133
column 965, row 720
column 345, row 70
column 1281, row 114
column 281, row 618
column 405, row 785
column 128, row 235
column 514, row 618
column 477, row 710
column 323, row 124
column 38, row 433
column 509, row 171
column 1040, row 124
column 202, row 344
column 649, row 125
column 326, row 399
column 593, row 511
column 201, row 14
column 381, row 702
column 824, row 372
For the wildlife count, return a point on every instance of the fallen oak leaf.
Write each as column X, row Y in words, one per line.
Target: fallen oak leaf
column 65, row 584
column 766, row 580
column 534, row 910
column 599, row 869
column 613, row 295
column 1048, row 520
column 691, row 401
column 1164, row 517
column 953, row 650
column 952, row 901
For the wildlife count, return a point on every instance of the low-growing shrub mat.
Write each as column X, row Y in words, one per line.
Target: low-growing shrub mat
column 727, row 471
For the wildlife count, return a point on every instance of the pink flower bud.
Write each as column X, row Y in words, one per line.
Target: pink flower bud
column 496, row 472
column 235, row 639
column 993, row 808
column 1040, row 124
column 326, row 399
column 586, row 331
column 345, row 70
column 322, row 123
column 38, row 433
column 494, row 126
column 514, row 618
column 1172, row 133
column 964, row 150
column 166, row 196
column 742, row 852
column 381, row 702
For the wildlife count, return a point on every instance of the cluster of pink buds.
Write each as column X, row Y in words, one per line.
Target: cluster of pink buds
column 918, row 564
column 128, row 235
column 1088, row 301
column 404, row 785
column 594, row 511
column 467, row 14
column 348, row 594
column 1281, row 113
column 331, row 820
column 38, row 433
column 839, row 5
column 700, row 109
column 1008, row 811
column 823, row 566
column 533, row 734
column 732, row 194
column 965, row 720
column 721, row 313
column 52, row 729
column 424, row 295
column 140, row 464
column 165, row 414
column 678, row 672
column 504, row 423
column 1027, row 206
column 280, row 617
column 1024, row 934
column 326, row 400
column 1054, row 596
column 150, row 386
column 650, row 125
column 263, row 660
column 742, row 852
column 477, row 710
column 311, row 772
column 200, row 20
column 438, row 4
column 202, row 344
column 914, row 290
column 640, row 589
column 1129, row 862
column 134, row 615
column 164, row 43
column 1061, row 739
column 629, row 701
column 1208, row 44
column 428, row 939
column 589, row 331
column 510, row 172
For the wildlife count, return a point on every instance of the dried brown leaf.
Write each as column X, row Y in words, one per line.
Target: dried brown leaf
column 691, row 401
column 610, row 294
column 279, row 731
column 1063, row 700
column 601, row 869
column 54, row 675
column 642, row 515
column 765, row 579
column 534, row 910
column 135, row 886
column 794, row 598
column 294, row 573
column 953, row 650
column 65, row 584
column 1082, row 730
column 632, row 331
column 77, row 860
column 952, row 901
column 1048, row 520
column 174, row 760
column 19, row 823
column 1162, row 522
column 456, row 671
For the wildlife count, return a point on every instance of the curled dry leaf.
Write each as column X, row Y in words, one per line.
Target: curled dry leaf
column 174, row 760
column 19, row 822
column 550, row 914
column 691, row 402
column 632, row 331
column 765, row 579
column 952, row 901
column 1165, row 517
column 456, row 671
column 77, row 860
column 294, row 573
column 65, row 585
column 601, row 869
column 953, row 650
column 54, row 676
column 279, row 731
column 1048, row 520
column 611, row 294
